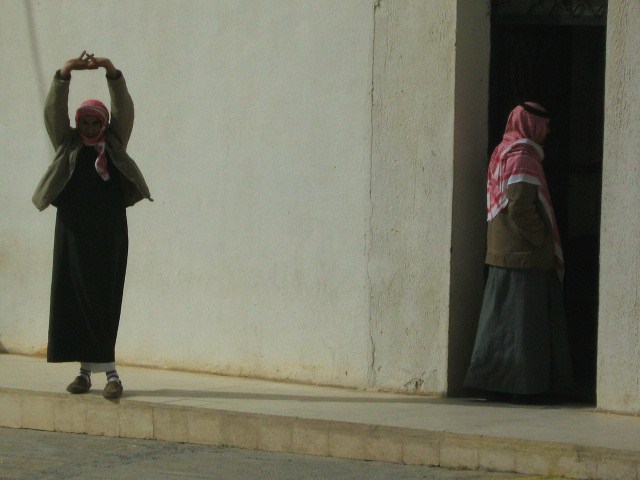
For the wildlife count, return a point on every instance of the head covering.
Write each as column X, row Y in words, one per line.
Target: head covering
column 95, row 108
column 518, row 158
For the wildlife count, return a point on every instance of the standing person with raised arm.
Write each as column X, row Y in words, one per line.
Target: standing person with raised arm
column 91, row 182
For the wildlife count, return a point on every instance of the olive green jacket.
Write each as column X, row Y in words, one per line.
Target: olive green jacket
column 520, row 236
column 66, row 142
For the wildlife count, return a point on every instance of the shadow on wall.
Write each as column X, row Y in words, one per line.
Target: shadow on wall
column 35, row 51
column 2, row 349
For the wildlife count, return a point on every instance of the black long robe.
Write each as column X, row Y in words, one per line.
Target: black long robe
column 522, row 346
column 89, row 265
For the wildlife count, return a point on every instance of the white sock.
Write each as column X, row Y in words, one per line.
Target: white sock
column 112, row 376
column 85, row 373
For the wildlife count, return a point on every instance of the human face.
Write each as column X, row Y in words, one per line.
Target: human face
column 89, row 126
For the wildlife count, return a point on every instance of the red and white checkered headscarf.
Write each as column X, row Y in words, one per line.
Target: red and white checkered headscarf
column 518, row 158
column 95, row 108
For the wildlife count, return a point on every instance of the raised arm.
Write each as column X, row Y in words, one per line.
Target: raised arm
column 56, row 114
column 122, row 111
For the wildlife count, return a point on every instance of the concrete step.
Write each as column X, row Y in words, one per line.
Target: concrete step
column 570, row 441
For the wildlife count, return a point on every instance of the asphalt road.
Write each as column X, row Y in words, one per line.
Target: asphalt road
column 36, row 455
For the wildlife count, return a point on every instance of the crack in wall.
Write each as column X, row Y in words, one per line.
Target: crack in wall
column 372, row 372
column 41, row 78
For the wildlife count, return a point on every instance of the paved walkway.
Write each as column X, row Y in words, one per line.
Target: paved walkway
column 571, row 441
column 38, row 455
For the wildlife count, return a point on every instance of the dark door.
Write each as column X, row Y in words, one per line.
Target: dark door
column 553, row 52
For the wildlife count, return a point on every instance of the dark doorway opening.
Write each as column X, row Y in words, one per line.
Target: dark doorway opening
column 559, row 61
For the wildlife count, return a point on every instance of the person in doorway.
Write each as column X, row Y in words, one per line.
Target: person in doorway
column 91, row 181
column 521, row 349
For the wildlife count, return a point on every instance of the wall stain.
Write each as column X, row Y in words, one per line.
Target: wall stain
column 415, row 384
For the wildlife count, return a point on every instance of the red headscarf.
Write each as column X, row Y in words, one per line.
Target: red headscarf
column 518, row 158
column 95, row 108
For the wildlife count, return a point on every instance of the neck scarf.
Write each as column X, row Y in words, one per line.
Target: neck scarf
column 95, row 108
column 518, row 158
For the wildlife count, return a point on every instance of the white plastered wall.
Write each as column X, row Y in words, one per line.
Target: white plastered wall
column 253, row 131
column 618, row 386
column 469, row 226
column 411, row 188
column 301, row 157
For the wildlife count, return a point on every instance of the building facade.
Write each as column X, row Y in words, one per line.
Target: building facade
column 318, row 171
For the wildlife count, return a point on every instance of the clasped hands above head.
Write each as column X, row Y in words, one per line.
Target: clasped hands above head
column 87, row 61
column 90, row 60
column 86, row 57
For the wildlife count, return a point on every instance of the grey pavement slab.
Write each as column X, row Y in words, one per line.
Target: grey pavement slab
column 37, row 455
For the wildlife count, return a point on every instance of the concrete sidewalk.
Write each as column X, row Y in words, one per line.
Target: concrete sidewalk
column 571, row 441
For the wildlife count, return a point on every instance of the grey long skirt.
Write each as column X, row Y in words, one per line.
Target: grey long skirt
column 521, row 345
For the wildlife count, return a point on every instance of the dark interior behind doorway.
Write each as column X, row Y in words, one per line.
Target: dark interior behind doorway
column 561, row 65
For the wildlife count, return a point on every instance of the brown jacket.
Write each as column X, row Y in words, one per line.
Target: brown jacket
column 67, row 143
column 520, row 235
